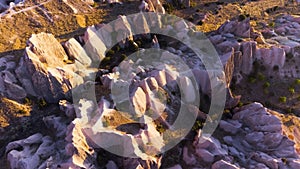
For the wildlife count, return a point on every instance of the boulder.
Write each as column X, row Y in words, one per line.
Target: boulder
column 230, row 126
column 52, row 75
column 187, row 89
column 223, row 164
column 76, row 51
column 29, row 153
column 139, row 102
column 94, row 46
column 15, row 91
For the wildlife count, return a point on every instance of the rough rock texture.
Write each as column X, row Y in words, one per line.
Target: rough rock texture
column 9, row 85
column 47, row 71
column 253, row 138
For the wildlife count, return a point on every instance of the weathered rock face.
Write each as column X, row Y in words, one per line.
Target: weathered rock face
column 241, row 29
column 154, row 6
column 276, row 45
column 271, row 57
column 253, row 138
column 27, row 153
column 44, row 64
column 47, row 71
column 9, row 85
column 260, row 137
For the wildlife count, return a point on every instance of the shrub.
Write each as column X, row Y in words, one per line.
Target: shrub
column 42, row 103
column 160, row 128
column 226, row 111
column 123, row 56
column 272, row 24
column 282, row 99
column 240, row 104
column 266, row 85
column 242, row 17
column 198, row 125
column 297, row 82
column 106, row 60
column 200, row 23
column 27, row 101
column 133, row 46
column 261, row 77
column 168, row 7
column 291, row 90
column 117, row 48
column 289, row 110
column 110, row 53
column 266, row 91
column 252, row 79
column 190, row 18
column 193, row 4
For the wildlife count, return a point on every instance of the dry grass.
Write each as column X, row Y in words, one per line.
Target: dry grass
column 291, row 127
column 10, row 109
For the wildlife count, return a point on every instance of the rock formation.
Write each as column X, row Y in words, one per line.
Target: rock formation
column 141, row 123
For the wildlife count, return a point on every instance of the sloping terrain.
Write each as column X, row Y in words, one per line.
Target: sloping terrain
column 269, row 141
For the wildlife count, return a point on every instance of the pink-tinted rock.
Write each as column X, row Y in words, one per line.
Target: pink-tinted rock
column 271, row 57
column 139, row 102
column 111, row 165
column 175, row 167
column 254, row 137
column 248, row 54
column 188, row 158
column 266, row 159
column 76, row 51
column 160, row 77
column 187, row 88
column 226, row 46
column 205, row 155
column 230, row 126
column 216, row 39
column 223, row 165
column 243, row 29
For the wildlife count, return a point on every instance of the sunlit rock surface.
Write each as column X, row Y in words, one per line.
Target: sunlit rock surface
column 254, row 137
